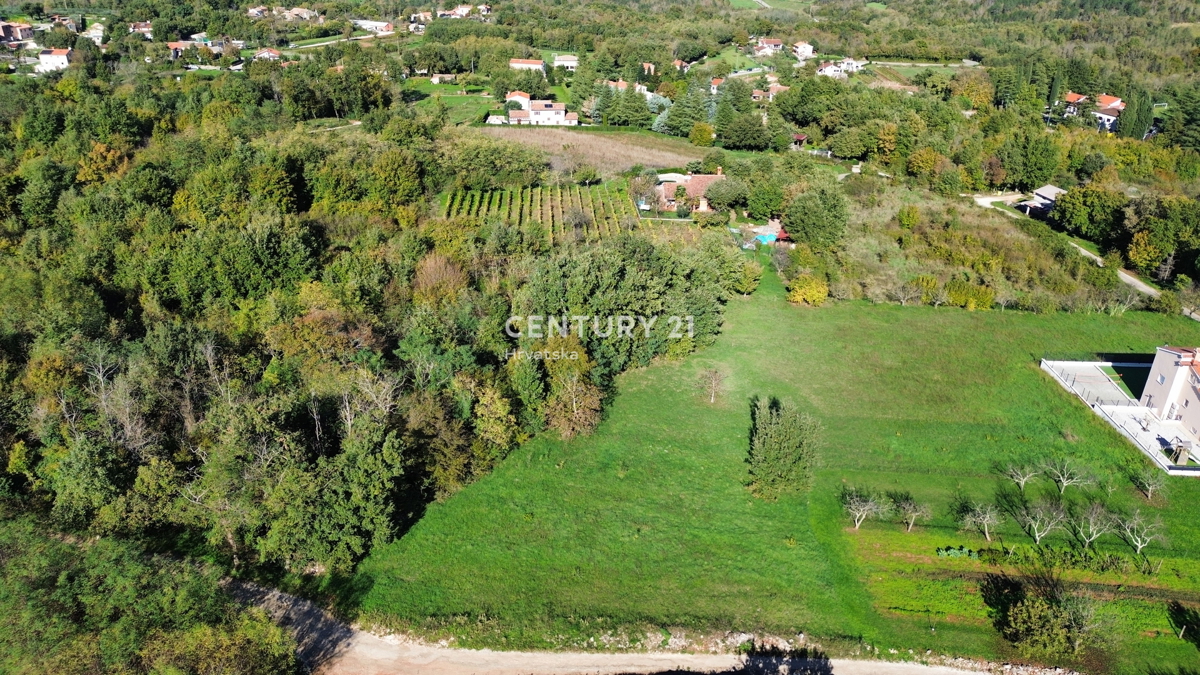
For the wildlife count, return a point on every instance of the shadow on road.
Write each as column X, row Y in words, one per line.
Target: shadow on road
column 320, row 637
column 774, row 661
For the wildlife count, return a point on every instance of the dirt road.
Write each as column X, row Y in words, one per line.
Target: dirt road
column 330, row 647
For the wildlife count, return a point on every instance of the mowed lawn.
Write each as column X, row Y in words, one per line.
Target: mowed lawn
column 648, row 524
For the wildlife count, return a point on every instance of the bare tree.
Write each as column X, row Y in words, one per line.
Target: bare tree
column 1065, row 473
column 1139, row 531
column 984, row 517
column 1021, row 474
column 907, row 292
column 940, row 297
column 1091, row 523
column 1039, row 520
column 1149, row 480
column 712, row 381
column 862, row 505
column 910, row 510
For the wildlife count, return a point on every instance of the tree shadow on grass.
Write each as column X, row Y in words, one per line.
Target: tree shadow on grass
column 1186, row 620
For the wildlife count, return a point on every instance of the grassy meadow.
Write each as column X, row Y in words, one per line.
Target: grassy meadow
column 611, row 540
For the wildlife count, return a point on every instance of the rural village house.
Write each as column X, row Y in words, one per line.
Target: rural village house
column 50, row 60
column 15, row 32
column 526, row 64
column 694, row 185
column 568, row 61
column 802, row 50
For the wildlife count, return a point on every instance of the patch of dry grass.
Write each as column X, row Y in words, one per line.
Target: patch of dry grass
column 610, row 152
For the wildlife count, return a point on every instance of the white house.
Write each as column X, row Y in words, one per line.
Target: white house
column 1171, row 389
column 1108, row 111
column 496, row 119
column 568, row 61
column 95, row 33
column 301, row 14
column 377, row 27
column 621, row 85
column 681, row 65
column 526, row 64
column 259, row 12
column 544, row 113
column 267, row 54
column 849, row 65
column 769, row 46
column 830, row 69
column 442, row 78
column 715, row 84
column 1042, row 201
column 802, row 50
column 143, row 28
column 50, row 60
column 421, row 17
column 520, row 97
column 484, row 10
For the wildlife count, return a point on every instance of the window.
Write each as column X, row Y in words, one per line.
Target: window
column 1161, row 379
column 1186, row 401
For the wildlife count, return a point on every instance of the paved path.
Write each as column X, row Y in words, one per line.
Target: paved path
column 330, row 647
column 1128, row 279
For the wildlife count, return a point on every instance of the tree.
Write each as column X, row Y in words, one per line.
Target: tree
column 1039, row 520
column 1138, row 530
column 746, row 132
column 862, row 505
column 575, row 408
column 983, row 517
column 712, row 382
column 1090, row 523
column 723, row 195
column 1021, row 474
column 1149, row 479
column 685, row 113
column 784, row 443
column 1065, row 473
column 808, row 289
column 818, row 217
column 585, row 174
column 765, row 200
column 701, row 135
column 747, row 281
column 909, row 509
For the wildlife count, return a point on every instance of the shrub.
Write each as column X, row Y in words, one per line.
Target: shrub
column 1167, row 302
column 1038, row 628
column 783, row 448
column 962, row 293
column 908, row 216
column 808, row 289
column 711, row 218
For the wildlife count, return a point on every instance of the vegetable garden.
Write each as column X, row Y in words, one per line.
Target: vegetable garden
column 556, row 207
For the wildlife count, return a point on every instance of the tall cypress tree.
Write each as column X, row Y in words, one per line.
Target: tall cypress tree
column 690, row 110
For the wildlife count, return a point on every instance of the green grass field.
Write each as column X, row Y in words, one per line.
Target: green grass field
column 736, row 60
column 646, row 524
